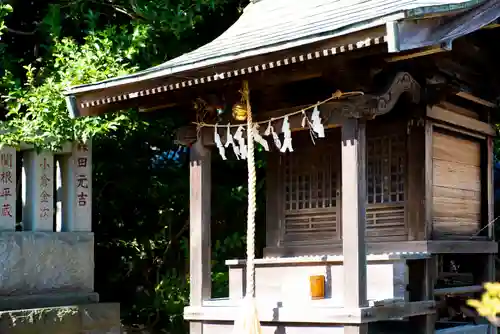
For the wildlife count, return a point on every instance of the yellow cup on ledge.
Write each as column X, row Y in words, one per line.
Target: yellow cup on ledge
column 317, row 286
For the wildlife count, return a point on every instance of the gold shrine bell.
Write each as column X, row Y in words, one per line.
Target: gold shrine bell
column 239, row 112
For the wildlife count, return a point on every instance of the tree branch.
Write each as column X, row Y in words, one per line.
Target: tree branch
column 24, row 33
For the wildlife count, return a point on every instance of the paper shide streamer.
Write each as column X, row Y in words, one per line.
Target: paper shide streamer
column 287, row 134
column 239, row 145
column 230, row 142
column 241, row 142
column 218, row 143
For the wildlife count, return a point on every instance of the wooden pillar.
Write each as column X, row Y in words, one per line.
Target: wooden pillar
column 416, row 183
column 429, row 179
column 422, row 280
column 199, row 235
column 354, row 217
column 490, row 188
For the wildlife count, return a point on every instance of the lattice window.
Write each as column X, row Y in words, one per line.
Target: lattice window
column 385, row 176
column 386, row 162
column 311, row 189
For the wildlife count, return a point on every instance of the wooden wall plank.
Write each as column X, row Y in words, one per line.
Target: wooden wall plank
column 449, row 207
column 439, row 191
column 456, row 185
column 456, row 175
column 456, row 149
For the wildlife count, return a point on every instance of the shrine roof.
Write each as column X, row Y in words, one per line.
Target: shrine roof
column 269, row 26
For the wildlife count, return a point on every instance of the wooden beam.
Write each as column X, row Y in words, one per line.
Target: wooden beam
column 457, row 109
column 416, row 181
column 415, row 54
column 461, row 247
column 430, row 247
column 199, row 216
column 443, row 115
column 460, row 290
column 461, row 131
column 475, row 99
column 309, row 313
column 360, row 106
column 354, row 217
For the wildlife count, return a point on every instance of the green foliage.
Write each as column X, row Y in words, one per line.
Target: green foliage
column 36, row 108
column 5, row 9
column 37, row 111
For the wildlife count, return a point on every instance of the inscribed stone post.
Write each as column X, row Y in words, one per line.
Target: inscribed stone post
column 77, row 181
column 38, row 191
column 8, row 189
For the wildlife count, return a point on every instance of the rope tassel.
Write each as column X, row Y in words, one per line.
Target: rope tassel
column 249, row 322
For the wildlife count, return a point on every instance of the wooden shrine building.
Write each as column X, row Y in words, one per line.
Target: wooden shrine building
column 393, row 206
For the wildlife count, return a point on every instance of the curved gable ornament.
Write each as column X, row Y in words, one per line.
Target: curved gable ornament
column 370, row 106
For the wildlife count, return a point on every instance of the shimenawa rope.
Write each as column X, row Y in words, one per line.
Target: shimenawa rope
column 249, row 321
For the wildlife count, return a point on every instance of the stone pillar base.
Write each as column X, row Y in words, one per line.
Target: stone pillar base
column 10, row 303
column 88, row 319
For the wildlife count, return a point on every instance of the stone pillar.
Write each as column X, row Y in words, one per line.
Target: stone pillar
column 38, row 191
column 76, row 195
column 50, row 264
column 8, row 189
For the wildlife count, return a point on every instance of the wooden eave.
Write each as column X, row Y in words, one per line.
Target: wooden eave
column 265, row 40
column 135, row 94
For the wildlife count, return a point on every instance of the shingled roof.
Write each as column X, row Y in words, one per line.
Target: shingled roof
column 269, row 26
